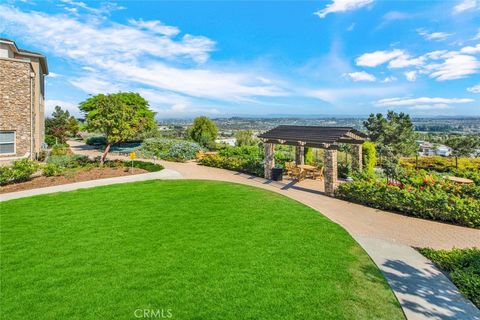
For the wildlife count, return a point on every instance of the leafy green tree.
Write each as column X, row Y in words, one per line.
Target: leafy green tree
column 73, row 126
column 119, row 117
column 204, row 131
column 57, row 125
column 396, row 131
column 462, row 146
column 245, row 138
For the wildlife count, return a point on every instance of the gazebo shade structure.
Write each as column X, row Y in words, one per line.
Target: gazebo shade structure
column 327, row 138
column 313, row 136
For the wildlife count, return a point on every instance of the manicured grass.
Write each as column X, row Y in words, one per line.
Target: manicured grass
column 203, row 250
column 462, row 266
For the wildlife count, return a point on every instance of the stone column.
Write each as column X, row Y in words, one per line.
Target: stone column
column 356, row 157
column 269, row 159
column 330, row 171
column 299, row 155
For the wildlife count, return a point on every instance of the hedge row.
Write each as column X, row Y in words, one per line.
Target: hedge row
column 435, row 204
column 247, row 165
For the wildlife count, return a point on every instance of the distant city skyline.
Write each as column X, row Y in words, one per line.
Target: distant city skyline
column 220, row 59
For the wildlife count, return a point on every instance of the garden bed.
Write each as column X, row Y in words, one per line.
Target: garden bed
column 86, row 174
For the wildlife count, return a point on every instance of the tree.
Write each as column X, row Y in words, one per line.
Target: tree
column 57, row 125
column 462, row 146
column 369, row 154
column 204, row 131
column 395, row 131
column 120, row 116
column 245, row 138
column 73, row 126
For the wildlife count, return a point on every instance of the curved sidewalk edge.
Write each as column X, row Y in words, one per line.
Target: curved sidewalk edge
column 423, row 291
column 165, row 174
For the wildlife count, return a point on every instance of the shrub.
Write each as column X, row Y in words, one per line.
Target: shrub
column 441, row 164
column 60, row 150
column 242, row 152
column 252, row 166
column 50, row 140
column 69, row 161
column 430, row 201
column 169, row 149
column 21, row 170
column 308, row 156
column 462, row 266
column 52, row 169
column 369, row 155
column 96, row 141
column 150, row 167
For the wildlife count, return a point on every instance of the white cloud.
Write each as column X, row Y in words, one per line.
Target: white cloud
column 105, row 7
column 411, row 75
column 342, row 6
column 54, row 75
column 474, row 89
column 134, row 55
column 377, row 58
column 361, row 76
column 477, row 36
column 338, row 96
column 465, row 5
column 423, row 101
column 471, row 50
column 404, row 61
column 155, row 26
column 389, row 79
column 436, row 106
column 433, row 35
column 456, row 66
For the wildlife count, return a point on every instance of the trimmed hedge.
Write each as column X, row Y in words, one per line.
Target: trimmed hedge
column 462, row 266
column 247, row 165
column 432, row 203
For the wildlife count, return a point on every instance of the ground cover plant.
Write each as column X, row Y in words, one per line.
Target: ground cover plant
column 203, row 250
column 462, row 267
column 169, row 149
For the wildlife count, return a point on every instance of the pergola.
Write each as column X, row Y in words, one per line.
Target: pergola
column 327, row 138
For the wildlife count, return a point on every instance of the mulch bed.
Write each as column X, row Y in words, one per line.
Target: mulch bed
column 69, row 177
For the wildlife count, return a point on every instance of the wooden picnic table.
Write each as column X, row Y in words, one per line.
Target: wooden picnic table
column 459, row 180
column 307, row 167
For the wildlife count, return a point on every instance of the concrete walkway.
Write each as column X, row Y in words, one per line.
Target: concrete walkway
column 422, row 290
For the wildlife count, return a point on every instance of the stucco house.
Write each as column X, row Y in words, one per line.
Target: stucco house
column 22, row 101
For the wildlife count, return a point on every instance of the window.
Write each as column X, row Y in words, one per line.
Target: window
column 7, row 142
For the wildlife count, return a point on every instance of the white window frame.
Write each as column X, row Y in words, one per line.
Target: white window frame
column 14, row 142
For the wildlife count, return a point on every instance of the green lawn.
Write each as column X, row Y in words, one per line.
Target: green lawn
column 196, row 249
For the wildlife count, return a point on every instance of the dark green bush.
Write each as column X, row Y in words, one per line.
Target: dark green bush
column 96, row 141
column 252, row 166
column 150, row 167
column 462, row 266
column 21, row 170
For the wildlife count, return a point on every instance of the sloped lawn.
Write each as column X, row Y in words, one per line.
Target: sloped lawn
column 192, row 249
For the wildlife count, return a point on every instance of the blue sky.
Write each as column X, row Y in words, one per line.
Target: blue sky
column 337, row 57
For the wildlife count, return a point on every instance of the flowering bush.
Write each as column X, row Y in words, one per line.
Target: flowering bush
column 441, row 164
column 169, row 149
column 422, row 196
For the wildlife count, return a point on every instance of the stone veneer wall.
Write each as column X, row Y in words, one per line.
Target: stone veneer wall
column 15, row 102
column 330, row 171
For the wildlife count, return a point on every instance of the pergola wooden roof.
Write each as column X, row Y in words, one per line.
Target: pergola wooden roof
column 313, row 136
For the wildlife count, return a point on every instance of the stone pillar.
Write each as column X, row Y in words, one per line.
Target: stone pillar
column 356, row 157
column 330, row 171
column 299, row 155
column 269, row 159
